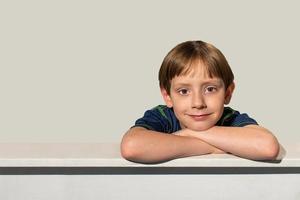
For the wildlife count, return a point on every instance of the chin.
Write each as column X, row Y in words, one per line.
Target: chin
column 198, row 126
column 203, row 128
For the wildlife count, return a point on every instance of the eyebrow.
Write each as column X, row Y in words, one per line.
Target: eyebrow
column 213, row 81
column 182, row 84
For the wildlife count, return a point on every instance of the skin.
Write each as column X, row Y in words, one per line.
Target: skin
column 198, row 102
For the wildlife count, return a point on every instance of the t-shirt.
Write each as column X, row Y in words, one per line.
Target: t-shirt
column 162, row 119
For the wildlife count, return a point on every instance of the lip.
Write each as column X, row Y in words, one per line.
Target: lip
column 200, row 117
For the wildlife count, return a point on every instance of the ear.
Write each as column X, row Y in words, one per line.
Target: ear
column 166, row 97
column 229, row 92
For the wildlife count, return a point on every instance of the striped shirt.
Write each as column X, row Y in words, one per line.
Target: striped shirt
column 162, row 119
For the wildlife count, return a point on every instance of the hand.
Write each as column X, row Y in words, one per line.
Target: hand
column 179, row 133
column 196, row 134
column 185, row 133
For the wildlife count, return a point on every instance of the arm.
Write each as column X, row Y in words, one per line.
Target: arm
column 251, row 142
column 145, row 146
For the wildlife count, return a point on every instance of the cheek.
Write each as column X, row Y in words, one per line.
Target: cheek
column 180, row 103
column 175, row 100
column 216, row 102
column 179, row 107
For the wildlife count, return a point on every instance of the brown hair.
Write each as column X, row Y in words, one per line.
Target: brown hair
column 180, row 59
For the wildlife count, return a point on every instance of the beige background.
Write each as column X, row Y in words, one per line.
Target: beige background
column 83, row 71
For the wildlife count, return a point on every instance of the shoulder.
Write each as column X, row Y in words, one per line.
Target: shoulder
column 161, row 112
column 233, row 117
column 160, row 118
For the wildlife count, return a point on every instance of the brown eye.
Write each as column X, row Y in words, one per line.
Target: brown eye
column 183, row 91
column 210, row 89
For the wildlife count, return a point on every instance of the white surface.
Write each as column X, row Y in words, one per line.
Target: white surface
column 137, row 186
column 108, row 155
column 150, row 187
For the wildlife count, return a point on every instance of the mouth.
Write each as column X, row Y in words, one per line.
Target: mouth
column 200, row 117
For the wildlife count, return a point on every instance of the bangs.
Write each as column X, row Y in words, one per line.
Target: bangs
column 195, row 64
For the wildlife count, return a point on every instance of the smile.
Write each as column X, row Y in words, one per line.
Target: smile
column 201, row 117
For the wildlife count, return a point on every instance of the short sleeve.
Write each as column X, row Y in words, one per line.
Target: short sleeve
column 152, row 120
column 160, row 119
column 241, row 120
column 232, row 117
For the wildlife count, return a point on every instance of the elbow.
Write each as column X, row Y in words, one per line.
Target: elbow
column 271, row 149
column 128, row 149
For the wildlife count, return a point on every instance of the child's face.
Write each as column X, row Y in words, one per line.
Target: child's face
column 197, row 99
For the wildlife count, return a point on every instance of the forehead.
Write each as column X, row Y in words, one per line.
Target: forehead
column 196, row 73
column 198, row 66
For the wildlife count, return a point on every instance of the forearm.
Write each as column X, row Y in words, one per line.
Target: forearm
column 144, row 146
column 252, row 142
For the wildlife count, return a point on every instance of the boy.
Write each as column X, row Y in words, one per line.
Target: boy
column 196, row 82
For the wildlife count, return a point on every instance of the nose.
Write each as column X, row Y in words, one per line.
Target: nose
column 198, row 102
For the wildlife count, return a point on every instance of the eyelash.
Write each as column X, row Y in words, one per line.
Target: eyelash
column 210, row 87
column 206, row 90
column 180, row 91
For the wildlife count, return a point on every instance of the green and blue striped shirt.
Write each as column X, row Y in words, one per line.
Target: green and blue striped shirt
column 163, row 119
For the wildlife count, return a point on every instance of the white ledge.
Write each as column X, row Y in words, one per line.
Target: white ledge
column 108, row 155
